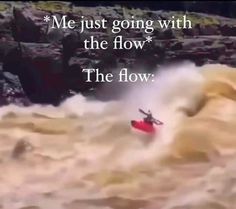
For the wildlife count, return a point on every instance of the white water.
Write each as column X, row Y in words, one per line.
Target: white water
column 87, row 150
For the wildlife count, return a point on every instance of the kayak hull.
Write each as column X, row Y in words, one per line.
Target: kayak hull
column 143, row 126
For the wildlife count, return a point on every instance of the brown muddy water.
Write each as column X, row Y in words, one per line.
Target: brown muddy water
column 84, row 154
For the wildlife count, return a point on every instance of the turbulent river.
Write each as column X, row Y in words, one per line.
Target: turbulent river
column 84, row 154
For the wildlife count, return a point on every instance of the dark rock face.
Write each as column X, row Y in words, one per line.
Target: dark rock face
column 24, row 28
column 11, row 90
column 49, row 63
column 39, row 68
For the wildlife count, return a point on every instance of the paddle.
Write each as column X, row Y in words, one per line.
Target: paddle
column 153, row 119
column 140, row 110
column 157, row 121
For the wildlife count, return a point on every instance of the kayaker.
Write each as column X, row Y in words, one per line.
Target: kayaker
column 149, row 118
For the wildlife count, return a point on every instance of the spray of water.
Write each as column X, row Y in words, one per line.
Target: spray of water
column 91, row 143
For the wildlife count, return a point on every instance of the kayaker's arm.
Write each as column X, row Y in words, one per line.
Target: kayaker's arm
column 150, row 117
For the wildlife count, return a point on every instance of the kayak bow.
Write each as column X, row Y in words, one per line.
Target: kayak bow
column 143, row 126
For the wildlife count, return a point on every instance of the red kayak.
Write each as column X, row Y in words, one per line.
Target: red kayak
column 143, row 126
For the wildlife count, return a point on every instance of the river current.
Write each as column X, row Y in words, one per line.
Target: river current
column 85, row 155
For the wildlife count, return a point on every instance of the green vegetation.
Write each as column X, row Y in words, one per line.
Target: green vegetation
column 52, row 6
column 199, row 19
column 4, row 6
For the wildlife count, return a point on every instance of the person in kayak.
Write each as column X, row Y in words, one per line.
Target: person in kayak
column 149, row 118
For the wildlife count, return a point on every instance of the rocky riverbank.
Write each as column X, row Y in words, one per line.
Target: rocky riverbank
column 45, row 65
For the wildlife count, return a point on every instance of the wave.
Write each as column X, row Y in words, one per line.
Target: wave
column 87, row 149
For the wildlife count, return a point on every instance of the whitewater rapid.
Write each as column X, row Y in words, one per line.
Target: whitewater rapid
column 84, row 154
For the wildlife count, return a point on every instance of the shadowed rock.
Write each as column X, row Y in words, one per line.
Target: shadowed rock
column 50, row 61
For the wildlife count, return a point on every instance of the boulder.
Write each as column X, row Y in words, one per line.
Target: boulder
column 39, row 68
column 27, row 25
column 228, row 30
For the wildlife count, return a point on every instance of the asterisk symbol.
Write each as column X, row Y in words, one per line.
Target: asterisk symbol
column 46, row 18
column 149, row 39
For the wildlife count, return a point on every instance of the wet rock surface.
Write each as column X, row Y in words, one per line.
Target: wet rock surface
column 48, row 63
